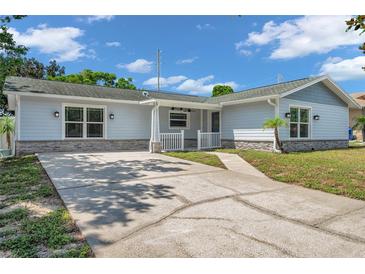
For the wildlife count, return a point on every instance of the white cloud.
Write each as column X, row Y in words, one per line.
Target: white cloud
column 341, row 70
column 205, row 27
column 303, row 36
column 245, row 52
column 113, row 44
column 60, row 43
column 91, row 53
column 138, row 66
column 187, row 61
column 97, row 18
column 164, row 82
column 202, row 85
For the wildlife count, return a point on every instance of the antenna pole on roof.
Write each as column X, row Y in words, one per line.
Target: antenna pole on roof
column 158, row 69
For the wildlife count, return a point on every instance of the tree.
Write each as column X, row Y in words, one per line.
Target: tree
column 10, row 52
column 7, row 127
column 276, row 123
column 360, row 125
column 219, row 90
column 89, row 77
column 125, row 83
column 357, row 24
column 8, row 45
column 29, row 68
column 54, row 69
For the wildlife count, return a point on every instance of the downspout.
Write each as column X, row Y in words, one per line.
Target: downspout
column 276, row 106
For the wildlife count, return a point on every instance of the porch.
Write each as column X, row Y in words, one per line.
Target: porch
column 177, row 126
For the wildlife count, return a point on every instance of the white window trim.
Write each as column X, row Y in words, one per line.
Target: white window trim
column 84, row 122
column 309, row 122
column 187, row 119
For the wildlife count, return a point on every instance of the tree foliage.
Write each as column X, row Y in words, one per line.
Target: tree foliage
column 125, row 83
column 357, row 24
column 219, row 90
column 8, row 46
column 275, row 124
column 360, row 125
column 26, row 67
column 91, row 77
column 7, row 127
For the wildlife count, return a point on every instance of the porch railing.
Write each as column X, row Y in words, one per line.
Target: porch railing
column 208, row 140
column 172, row 141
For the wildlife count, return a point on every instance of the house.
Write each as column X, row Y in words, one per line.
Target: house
column 354, row 113
column 56, row 116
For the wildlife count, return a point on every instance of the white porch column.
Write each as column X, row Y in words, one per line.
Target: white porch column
column 155, row 145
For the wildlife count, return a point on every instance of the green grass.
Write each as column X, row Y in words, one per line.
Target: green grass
column 199, row 157
column 20, row 180
column 13, row 216
column 24, row 234
column 336, row 171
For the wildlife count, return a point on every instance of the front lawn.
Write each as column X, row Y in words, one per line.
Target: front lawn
column 336, row 171
column 199, row 157
column 33, row 220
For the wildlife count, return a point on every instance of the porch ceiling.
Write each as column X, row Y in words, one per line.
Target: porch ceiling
column 179, row 104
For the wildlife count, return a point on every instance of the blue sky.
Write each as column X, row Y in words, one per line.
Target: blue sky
column 199, row 51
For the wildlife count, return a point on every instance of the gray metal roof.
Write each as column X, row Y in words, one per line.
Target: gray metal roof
column 22, row 84
column 275, row 89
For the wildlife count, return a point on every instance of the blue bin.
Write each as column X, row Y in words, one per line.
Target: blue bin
column 351, row 134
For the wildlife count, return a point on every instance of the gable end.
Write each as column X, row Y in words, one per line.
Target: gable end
column 317, row 93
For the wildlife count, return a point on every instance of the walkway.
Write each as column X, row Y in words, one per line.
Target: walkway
column 236, row 163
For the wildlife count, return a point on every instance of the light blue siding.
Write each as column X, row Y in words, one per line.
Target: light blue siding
column 333, row 123
column 130, row 121
column 317, row 93
column 333, row 112
column 190, row 133
column 245, row 116
column 37, row 121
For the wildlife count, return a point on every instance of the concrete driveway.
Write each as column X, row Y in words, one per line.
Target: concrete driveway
column 137, row 204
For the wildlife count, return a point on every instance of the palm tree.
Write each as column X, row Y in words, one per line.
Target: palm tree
column 276, row 123
column 360, row 125
column 7, row 127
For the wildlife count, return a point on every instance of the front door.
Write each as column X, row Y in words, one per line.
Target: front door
column 215, row 121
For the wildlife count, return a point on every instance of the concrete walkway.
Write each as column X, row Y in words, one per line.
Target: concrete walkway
column 237, row 164
column 137, row 204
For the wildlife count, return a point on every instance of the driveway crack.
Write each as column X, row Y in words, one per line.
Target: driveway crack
column 334, row 218
column 173, row 212
column 282, row 250
column 276, row 215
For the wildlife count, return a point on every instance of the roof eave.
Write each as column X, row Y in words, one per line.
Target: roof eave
column 69, row 97
column 185, row 104
column 249, row 100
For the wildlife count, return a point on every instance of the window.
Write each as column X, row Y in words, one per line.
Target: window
column 95, row 121
column 74, row 118
column 84, row 122
column 299, row 122
column 179, row 120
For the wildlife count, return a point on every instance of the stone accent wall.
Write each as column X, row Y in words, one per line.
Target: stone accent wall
column 258, row 145
column 29, row 147
column 310, row 145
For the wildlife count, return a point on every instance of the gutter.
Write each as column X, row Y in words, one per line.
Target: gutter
column 250, row 100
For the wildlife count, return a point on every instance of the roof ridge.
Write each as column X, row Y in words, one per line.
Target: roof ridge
column 271, row 85
column 99, row 86
column 79, row 84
